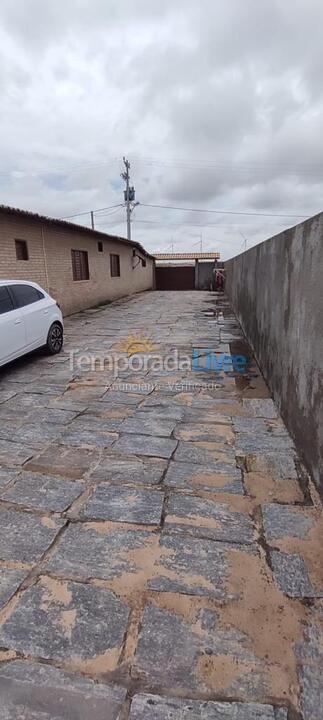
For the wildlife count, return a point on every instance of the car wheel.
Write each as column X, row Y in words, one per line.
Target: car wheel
column 55, row 338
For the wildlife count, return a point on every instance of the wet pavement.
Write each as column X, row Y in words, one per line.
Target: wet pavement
column 160, row 541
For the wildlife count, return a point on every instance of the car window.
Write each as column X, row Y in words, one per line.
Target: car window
column 5, row 300
column 25, row 295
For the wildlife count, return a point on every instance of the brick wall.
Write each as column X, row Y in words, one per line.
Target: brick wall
column 12, row 229
column 58, row 242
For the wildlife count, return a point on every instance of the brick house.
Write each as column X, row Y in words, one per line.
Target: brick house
column 78, row 266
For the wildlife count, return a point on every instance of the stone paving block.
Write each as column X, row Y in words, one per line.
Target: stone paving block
column 94, row 424
column 63, row 460
column 26, row 402
column 9, row 427
column 224, row 479
column 68, row 621
column 209, row 417
column 7, row 475
column 221, row 434
column 260, row 407
column 195, row 566
column 246, row 444
column 158, row 400
column 162, row 407
column 90, row 551
column 124, row 504
column 310, row 665
column 229, row 408
column 141, row 471
column 13, row 453
column 47, row 386
column 37, row 435
column 147, row 424
column 6, row 395
column 32, row 691
column 296, row 535
column 202, row 400
column 291, row 575
column 45, row 492
column 8, row 415
column 206, row 518
column 59, row 372
column 144, row 445
column 204, row 453
column 155, row 707
column 260, row 426
column 174, row 653
column 24, row 537
column 280, row 466
column 282, row 521
column 109, row 412
column 116, row 397
column 311, row 698
column 67, row 402
column 82, row 393
column 10, row 579
column 91, row 437
column 51, row 415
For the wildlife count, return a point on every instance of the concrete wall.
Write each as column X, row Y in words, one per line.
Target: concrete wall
column 50, row 263
column 276, row 290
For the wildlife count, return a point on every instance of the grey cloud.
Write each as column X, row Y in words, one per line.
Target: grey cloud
column 217, row 104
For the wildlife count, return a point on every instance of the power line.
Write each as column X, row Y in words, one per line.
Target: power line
column 67, row 165
column 110, row 212
column 88, row 212
column 224, row 163
column 223, row 212
column 201, row 225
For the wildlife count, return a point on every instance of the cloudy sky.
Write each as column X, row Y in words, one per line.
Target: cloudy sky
column 218, row 106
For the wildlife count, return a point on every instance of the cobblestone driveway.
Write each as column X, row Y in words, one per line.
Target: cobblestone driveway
column 160, row 544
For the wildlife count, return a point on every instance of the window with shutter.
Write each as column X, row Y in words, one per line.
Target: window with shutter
column 114, row 265
column 80, row 265
column 21, row 250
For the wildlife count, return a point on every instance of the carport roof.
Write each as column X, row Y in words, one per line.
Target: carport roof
column 72, row 227
column 188, row 256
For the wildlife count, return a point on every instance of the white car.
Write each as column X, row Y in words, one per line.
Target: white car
column 29, row 319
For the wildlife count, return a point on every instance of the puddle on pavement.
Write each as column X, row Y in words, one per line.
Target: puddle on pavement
column 251, row 383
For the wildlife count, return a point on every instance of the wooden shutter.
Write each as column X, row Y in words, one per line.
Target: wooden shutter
column 114, row 265
column 80, row 265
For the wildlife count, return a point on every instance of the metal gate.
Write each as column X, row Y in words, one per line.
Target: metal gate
column 175, row 278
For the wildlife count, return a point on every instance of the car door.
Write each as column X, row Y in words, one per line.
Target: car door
column 12, row 328
column 34, row 307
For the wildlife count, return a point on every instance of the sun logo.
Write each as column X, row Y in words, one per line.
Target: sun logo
column 136, row 343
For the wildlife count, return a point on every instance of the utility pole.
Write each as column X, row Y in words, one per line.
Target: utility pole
column 201, row 242
column 92, row 219
column 129, row 195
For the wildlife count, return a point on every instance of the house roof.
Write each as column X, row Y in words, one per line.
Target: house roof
column 72, row 227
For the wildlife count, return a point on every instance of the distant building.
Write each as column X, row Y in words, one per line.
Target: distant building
column 186, row 271
column 78, row 266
